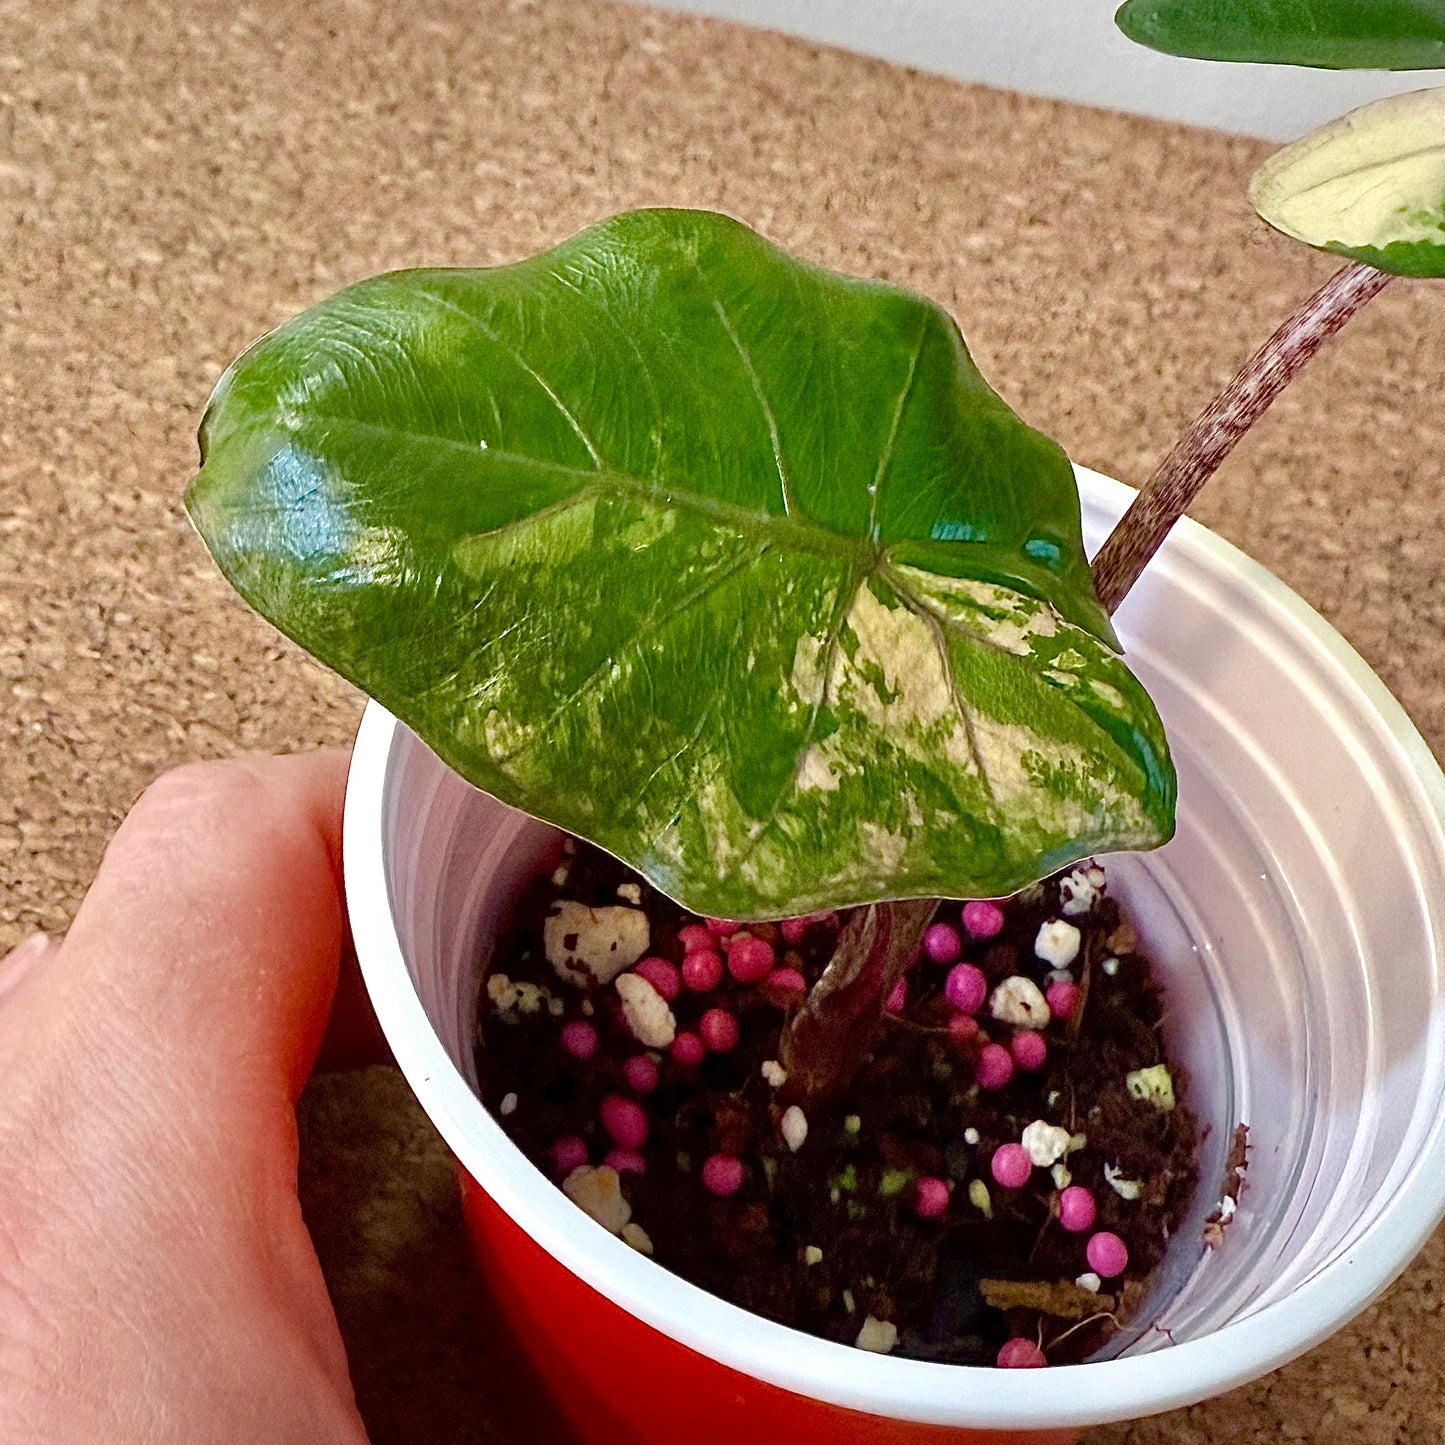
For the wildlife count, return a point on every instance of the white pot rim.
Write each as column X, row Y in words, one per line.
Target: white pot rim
column 911, row 1390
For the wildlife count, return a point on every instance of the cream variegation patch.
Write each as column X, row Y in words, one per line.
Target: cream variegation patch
column 1372, row 178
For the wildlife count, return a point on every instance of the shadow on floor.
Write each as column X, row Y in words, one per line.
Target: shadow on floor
column 431, row 1363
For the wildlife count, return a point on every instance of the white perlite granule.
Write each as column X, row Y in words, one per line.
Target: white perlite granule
column 1045, row 1143
column 595, row 943
column 1057, row 943
column 877, row 1336
column 794, row 1127
column 598, row 1192
column 646, row 1012
column 635, row 1235
column 1017, row 1001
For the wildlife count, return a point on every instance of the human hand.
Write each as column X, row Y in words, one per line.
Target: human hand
column 157, row 1282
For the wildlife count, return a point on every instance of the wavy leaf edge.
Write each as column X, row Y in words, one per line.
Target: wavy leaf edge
column 775, row 866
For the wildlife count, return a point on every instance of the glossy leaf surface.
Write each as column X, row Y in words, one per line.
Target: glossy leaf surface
column 1331, row 34
column 732, row 565
column 1370, row 185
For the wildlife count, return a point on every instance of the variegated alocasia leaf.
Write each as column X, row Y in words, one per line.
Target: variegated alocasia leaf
column 1370, row 185
column 730, row 564
column 1331, row 34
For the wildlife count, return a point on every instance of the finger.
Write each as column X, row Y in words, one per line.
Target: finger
column 161, row 1279
column 185, row 1006
column 215, row 923
column 22, row 959
column 353, row 1037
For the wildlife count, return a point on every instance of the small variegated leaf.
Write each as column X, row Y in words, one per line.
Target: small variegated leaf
column 732, row 565
column 1370, row 185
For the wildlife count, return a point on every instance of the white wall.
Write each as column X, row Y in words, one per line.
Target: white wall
column 1071, row 50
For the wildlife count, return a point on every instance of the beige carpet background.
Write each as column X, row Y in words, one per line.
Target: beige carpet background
column 176, row 179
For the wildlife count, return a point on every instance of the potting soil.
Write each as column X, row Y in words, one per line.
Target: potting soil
column 847, row 1232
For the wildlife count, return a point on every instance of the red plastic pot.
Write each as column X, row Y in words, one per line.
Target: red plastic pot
column 617, row 1381
column 1299, row 920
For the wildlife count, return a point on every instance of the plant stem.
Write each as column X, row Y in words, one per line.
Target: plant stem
column 1220, row 426
column 828, row 1038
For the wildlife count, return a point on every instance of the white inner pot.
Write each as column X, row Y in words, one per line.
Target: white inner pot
column 1297, row 921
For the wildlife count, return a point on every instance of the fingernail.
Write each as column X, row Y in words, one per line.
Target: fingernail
column 19, row 961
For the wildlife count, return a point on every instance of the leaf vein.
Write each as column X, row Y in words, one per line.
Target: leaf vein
column 648, row 629
column 931, row 620
column 687, row 745
column 885, row 459
column 566, row 412
column 800, row 532
column 918, row 604
column 1366, row 167
column 847, row 592
column 762, row 396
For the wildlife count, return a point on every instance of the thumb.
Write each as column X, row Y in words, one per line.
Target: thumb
column 212, row 934
column 147, row 1133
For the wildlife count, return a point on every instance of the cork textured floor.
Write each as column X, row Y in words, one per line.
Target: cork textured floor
column 176, row 179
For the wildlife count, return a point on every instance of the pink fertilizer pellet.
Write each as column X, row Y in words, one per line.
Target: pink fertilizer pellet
column 722, row 927
column 965, row 988
column 695, row 939
column 625, row 1121
column 1020, row 1354
column 1076, row 1209
column 962, row 1028
column 662, row 975
column 931, row 1199
column 995, row 1067
column 720, row 1030
column 579, row 1038
column 688, row 1050
column 1107, row 1254
column 722, row 1174
column 794, row 929
column 982, row 919
column 751, row 959
column 897, row 997
column 702, row 971
column 1030, row 1051
column 942, row 943
column 787, row 979
column 1011, row 1166
column 641, row 1073
column 626, row 1161
column 568, row 1153
column 1063, row 999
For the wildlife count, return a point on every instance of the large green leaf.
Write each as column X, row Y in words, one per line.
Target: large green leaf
column 731, row 564
column 1369, row 185
column 1333, row 34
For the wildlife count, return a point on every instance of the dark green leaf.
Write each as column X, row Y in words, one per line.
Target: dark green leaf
column 1370, row 185
column 731, row 564
column 1332, row 34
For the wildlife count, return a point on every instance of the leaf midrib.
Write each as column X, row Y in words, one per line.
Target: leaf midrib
column 799, row 531
column 1365, row 167
column 864, row 561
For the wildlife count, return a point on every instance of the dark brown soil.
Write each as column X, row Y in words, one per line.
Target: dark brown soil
column 952, row 1285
